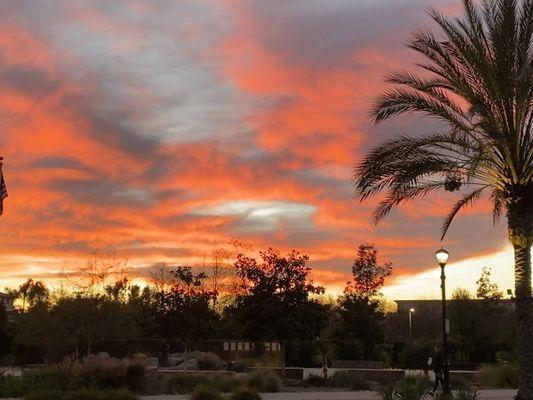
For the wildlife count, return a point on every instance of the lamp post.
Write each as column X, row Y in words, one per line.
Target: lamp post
column 442, row 260
column 411, row 311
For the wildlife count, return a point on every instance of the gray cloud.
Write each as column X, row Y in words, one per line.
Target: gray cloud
column 100, row 191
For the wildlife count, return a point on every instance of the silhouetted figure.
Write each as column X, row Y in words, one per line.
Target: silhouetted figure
column 163, row 357
column 437, row 362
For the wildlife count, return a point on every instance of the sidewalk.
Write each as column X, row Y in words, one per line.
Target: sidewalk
column 361, row 395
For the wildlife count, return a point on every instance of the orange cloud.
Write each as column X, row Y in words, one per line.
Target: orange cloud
column 132, row 130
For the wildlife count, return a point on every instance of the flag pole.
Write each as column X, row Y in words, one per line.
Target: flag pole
column 3, row 189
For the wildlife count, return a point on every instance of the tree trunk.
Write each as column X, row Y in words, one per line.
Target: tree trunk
column 520, row 222
column 524, row 318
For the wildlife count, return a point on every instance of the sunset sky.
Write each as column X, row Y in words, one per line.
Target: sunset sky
column 161, row 130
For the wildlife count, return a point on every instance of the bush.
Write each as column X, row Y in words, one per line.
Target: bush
column 340, row 379
column 386, row 392
column 348, row 350
column 467, row 394
column 135, row 377
column 81, row 395
column 499, row 376
column 225, row 383
column 415, row 355
column 18, row 386
column 348, row 380
column 264, row 381
column 186, row 383
column 315, row 380
column 209, row 362
column 302, row 353
column 385, row 352
column 100, row 374
column 245, row 393
column 503, row 356
column 205, row 392
column 412, row 388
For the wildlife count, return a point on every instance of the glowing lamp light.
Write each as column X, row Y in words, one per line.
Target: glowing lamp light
column 442, row 257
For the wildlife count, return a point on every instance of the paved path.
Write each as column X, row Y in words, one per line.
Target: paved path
column 361, row 395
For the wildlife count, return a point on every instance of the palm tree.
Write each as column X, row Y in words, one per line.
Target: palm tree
column 477, row 82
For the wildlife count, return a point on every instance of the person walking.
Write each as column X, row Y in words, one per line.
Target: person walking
column 437, row 362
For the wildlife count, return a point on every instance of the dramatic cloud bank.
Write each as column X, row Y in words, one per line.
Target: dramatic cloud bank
column 161, row 130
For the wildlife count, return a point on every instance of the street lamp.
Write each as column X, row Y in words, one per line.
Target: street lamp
column 411, row 311
column 442, row 260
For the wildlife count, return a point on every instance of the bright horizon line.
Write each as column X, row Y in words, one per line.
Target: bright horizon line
column 424, row 285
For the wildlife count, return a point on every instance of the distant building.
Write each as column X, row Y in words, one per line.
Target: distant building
column 426, row 319
column 6, row 300
column 435, row 306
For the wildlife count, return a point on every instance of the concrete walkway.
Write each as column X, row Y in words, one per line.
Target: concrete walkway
column 361, row 395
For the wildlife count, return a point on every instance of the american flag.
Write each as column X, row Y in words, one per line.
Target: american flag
column 3, row 188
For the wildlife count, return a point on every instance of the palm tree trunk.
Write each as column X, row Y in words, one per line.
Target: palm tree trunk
column 520, row 222
column 524, row 318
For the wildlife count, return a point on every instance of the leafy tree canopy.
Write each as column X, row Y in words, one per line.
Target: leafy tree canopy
column 368, row 275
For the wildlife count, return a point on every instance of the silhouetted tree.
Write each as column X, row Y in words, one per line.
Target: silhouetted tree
column 185, row 310
column 359, row 320
column 31, row 292
column 275, row 303
column 485, row 288
column 480, row 328
column 368, row 275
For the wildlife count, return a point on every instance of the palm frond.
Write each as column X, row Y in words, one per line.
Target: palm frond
column 399, row 195
column 480, row 85
column 497, row 206
column 467, row 199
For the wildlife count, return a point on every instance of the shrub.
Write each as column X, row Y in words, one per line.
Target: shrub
column 467, row 394
column 414, row 388
column 460, row 383
column 302, row 353
column 184, row 383
column 415, row 355
column 264, row 381
column 18, row 386
column 348, row 380
column 205, row 392
column 499, row 376
column 81, row 395
column 385, row 352
column 348, row 350
column 245, row 393
column 225, row 383
column 386, row 392
column 503, row 356
column 101, row 373
column 340, row 379
column 155, row 383
column 209, row 362
column 315, row 380
column 135, row 377
column 411, row 388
